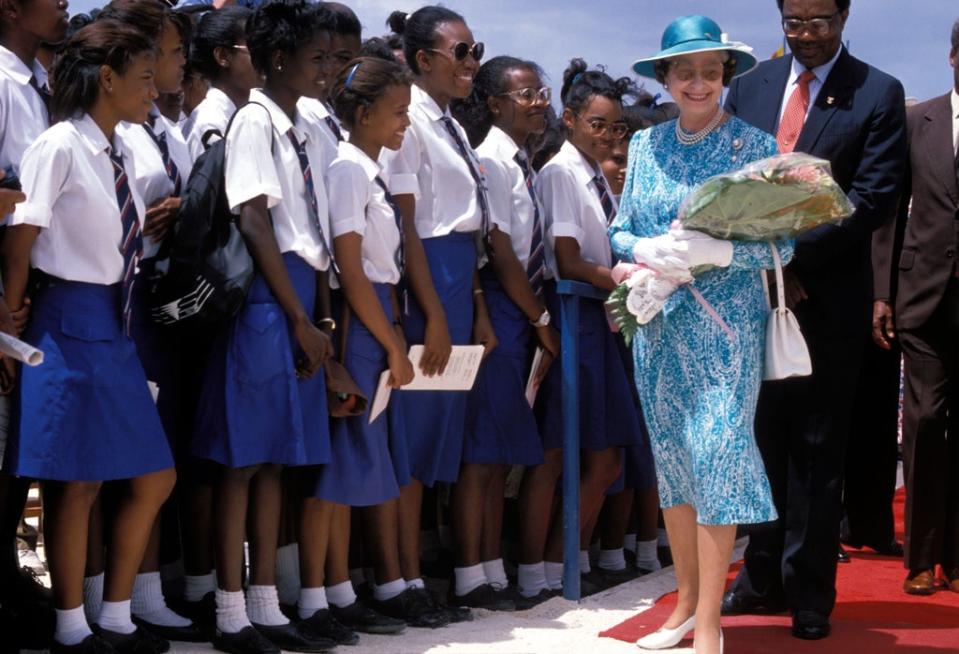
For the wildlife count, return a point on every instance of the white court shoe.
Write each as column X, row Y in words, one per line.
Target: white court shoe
column 667, row 638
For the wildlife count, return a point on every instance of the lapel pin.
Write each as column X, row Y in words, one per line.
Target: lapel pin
column 830, row 100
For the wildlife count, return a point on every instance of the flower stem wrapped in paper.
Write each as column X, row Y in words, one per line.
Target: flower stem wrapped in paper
column 779, row 197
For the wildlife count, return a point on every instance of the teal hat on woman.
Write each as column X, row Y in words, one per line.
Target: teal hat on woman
column 688, row 34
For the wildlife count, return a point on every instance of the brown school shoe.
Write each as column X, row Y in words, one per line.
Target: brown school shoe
column 952, row 579
column 920, row 582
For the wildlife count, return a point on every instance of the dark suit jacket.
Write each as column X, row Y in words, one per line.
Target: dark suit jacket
column 858, row 124
column 923, row 243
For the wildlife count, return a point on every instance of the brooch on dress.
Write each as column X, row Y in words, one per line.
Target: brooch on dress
column 737, row 146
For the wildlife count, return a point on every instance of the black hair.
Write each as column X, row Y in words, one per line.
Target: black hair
column 580, row 85
column 473, row 112
column 419, row 29
column 148, row 16
column 223, row 28
column 285, row 26
column 545, row 146
column 76, row 75
column 646, row 111
column 345, row 21
column 661, row 68
column 955, row 35
column 841, row 5
column 77, row 22
column 379, row 48
column 183, row 23
column 362, row 82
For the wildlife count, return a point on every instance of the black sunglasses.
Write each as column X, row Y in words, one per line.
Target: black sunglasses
column 461, row 50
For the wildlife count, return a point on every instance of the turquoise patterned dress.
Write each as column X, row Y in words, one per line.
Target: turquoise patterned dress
column 698, row 385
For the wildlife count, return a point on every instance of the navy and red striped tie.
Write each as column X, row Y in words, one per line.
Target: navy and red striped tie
column 168, row 164
column 536, row 266
column 131, row 245
column 307, row 171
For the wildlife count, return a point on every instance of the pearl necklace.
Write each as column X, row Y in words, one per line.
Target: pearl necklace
column 686, row 138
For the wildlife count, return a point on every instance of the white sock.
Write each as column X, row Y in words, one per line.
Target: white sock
column 92, row 597
column 531, row 578
column 288, row 573
column 231, row 611
column 584, row 562
column 629, row 543
column 646, row 556
column 662, row 538
column 196, row 587
column 72, row 626
column 416, row 583
column 469, row 579
column 495, row 574
column 389, row 590
column 311, row 600
column 554, row 575
column 263, row 606
column 341, row 595
column 612, row 559
column 116, row 617
column 148, row 604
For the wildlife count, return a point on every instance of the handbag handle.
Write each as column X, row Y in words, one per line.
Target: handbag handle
column 778, row 265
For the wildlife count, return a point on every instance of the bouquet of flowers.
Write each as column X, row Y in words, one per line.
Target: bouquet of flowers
column 778, row 197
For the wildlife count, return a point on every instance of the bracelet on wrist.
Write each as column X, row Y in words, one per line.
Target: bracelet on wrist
column 327, row 321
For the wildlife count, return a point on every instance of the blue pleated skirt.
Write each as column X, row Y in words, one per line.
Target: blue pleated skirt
column 500, row 425
column 86, row 413
column 608, row 412
column 639, row 469
column 435, row 420
column 253, row 409
column 369, row 462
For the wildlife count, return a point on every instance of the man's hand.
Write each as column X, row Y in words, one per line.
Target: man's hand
column 883, row 325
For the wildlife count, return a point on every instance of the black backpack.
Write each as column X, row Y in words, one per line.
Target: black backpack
column 203, row 270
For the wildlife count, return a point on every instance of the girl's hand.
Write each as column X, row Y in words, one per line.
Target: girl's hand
column 8, row 375
column 401, row 368
column 483, row 333
column 316, row 347
column 437, row 347
column 20, row 318
column 540, row 373
column 160, row 216
column 549, row 340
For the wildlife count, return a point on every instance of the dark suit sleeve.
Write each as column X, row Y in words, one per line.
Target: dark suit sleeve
column 875, row 187
column 732, row 97
column 887, row 240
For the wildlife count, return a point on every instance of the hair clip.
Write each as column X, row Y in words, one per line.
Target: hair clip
column 655, row 102
column 576, row 78
column 349, row 78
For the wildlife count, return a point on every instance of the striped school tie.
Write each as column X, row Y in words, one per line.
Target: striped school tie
column 43, row 92
column 334, row 128
column 171, row 168
column 131, row 246
column 604, row 198
column 400, row 255
column 463, row 150
column 311, row 194
column 536, row 266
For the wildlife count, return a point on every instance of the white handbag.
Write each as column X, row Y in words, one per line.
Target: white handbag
column 786, row 352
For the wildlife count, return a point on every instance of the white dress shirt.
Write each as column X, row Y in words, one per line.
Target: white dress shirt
column 430, row 167
column 152, row 181
column 954, row 98
column 316, row 112
column 214, row 112
column 23, row 116
column 68, row 178
column 815, row 84
column 572, row 207
column 358, row 205
column 511, row 207
column 252, row 170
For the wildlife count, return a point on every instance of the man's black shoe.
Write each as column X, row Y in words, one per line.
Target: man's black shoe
column 415, row 607
column 246, row 641
column 843, row 556
column 322, row 625
column 359, row 617
column 809, row 625
column 294, row 637
column 736, row 604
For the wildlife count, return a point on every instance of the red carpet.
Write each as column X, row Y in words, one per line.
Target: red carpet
column 872, row 615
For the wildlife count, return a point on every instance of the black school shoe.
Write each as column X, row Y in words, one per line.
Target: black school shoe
column 92, row 644
column 246, row 641
column 482, row 597
column 294, row 637
column 323, row 625
column 520, row 601
column 415, row 607
column 188, row 634
column 359, row 617
column 139, row 642
column 201, row 613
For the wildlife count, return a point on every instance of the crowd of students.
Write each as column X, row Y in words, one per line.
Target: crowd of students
column 390, row 192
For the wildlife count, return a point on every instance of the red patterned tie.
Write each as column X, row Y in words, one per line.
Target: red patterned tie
column 795, row 115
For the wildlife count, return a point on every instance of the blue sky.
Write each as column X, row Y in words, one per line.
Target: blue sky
column 907, row 38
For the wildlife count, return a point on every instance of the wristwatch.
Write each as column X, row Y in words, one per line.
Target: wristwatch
column 543, row 319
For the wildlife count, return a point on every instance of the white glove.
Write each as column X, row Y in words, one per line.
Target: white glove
column 699, row 249
column 661, row 254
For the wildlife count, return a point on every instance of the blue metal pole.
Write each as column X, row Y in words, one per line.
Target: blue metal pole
column 569, row 328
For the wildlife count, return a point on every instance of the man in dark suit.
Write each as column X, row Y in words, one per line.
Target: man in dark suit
column 924, row 289
column 823, row 101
